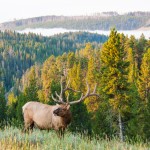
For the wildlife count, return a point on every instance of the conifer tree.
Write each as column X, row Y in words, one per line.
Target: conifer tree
column 50, row 72
column 131, row 55
column 87, row 51
column 144, row 79
column 91, row 102
column 114, row 76
column 75, row 76
column 130, row 58
column 71, row 60
column 79, row 110
column 31, row 91
column 11, row 108
column 2, row 104
column 144, row 91
column 142, row 44
column 21, row 100
column 11, row 98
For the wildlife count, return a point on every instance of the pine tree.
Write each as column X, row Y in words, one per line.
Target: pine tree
column 144, row 91
column 2, row 104
column 11, row 98
column 50, row 72
column 131, row 55
column 114, row 76
column 131, row 69
column 144, row 79
column 92, row 103
column 31, row 91
column 11, row 108
column 21, row 100
column 75, row 76
column 142, row 43
column 71, row 60
column 79, row 110
column 87, row 51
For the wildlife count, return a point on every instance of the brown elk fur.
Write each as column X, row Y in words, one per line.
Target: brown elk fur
column 46, row 117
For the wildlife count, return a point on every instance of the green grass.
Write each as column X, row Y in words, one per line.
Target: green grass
column 14, row 139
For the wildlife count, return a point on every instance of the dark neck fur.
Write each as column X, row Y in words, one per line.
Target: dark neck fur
column 67, row 119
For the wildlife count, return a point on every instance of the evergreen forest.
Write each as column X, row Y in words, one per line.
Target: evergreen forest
column 31, row 67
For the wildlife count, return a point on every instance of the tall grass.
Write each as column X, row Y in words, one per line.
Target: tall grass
column 12, row 138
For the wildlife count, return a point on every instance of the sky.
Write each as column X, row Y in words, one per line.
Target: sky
column 21, row 9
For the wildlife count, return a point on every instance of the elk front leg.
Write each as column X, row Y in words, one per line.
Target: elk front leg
column 62, row 130
column 60, row 133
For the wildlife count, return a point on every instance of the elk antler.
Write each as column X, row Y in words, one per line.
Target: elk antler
column 60, row 97
column 88, row 94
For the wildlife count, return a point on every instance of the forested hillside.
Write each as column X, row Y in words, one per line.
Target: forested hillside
column 18, row 52
column 99, row 21
column 121, row 69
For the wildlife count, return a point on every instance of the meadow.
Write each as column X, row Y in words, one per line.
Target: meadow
column 12, row 138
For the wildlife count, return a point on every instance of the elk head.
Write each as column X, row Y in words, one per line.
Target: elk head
column 62, row 111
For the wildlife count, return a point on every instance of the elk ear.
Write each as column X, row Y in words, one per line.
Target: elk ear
column 68, row 106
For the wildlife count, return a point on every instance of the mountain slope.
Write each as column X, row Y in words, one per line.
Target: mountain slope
column 103, row 21
column 18, row 52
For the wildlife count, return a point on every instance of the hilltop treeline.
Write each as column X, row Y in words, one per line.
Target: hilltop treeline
column 121, row 70
column 18, row 52
column 102, row 21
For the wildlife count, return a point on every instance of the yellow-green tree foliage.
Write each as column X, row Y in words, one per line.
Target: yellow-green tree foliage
column 11, row 98
column 132, row 66
column 91, row 102
column 144, row 79
column 61, row 62
column 30, row 74
column 74, row 76
column 87, row 51
column 71, row 60
column 50, row 72
column 132, row 57
column 113, row 72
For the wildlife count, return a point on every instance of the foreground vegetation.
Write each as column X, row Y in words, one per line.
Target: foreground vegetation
column 12, row 138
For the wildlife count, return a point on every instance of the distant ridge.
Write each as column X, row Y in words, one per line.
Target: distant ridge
column 97, row 21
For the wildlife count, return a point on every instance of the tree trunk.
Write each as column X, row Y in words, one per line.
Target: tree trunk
column 120, row 128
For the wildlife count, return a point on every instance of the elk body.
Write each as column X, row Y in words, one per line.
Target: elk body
column 47, row 117
column 55, row 117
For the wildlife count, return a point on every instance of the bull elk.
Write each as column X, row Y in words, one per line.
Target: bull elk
column 55, row 117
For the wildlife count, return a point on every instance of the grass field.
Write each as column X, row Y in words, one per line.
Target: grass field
column 14, row 139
